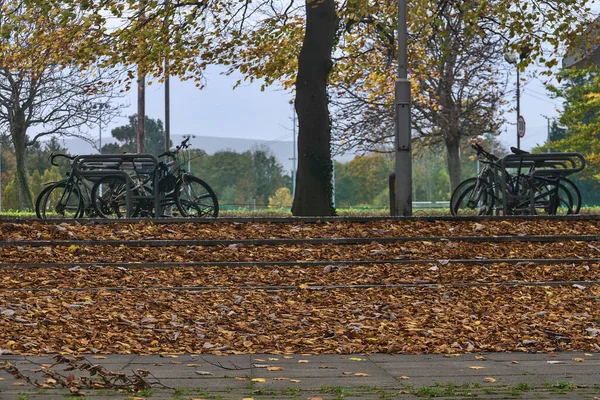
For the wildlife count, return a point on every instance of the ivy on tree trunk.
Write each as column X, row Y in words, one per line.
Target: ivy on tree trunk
column 313, row 195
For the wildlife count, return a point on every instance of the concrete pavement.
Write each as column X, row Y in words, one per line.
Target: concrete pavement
column 567, row 375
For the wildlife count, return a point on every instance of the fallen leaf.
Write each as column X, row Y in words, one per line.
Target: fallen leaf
column 492, row 380
column 193, row 365
column 238, row 378
column 295, row 380
column 355, row 359
column 481, row 358
column 361, row 374
column 588, row 354
column 281, row 379
column 274, row 369
column 204, row 373
column 404, row 377
column 99, row 357
column 514, row 362
column 578, row 359
column 347, row 373
column 19, row 384
column 258, row 380
column 302, row 361
column 556, row 362
column 477, row 367
column 288, row 357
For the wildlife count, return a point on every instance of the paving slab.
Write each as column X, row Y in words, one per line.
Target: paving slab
column 573, row 375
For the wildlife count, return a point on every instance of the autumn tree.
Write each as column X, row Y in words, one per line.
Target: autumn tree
column 41, row 98
column 293, row 43
column 126, row 136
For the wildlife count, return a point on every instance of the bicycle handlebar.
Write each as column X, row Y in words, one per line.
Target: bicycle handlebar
column 53, row 156
column 481, row 152
column 182, row 146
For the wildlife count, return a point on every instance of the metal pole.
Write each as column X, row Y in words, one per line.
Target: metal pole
column 294, row 156
column 518, row 106
column 167, row 108
column 403, row 126
column 0, row 175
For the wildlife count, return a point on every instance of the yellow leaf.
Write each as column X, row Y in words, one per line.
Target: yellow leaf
column 482, row 358
column 274, row 369
column 259, row 380
column 492, row 380
column 99, row 357
column 477, row 367
column 288, row 357
column 578, row 359
column 295, row 380
column 193, row 365
column 361, row 374
column 355, row 359
column 303, row 361
column 404, row 377
column 588, row 354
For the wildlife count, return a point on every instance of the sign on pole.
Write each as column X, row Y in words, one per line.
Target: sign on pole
column 521, row 126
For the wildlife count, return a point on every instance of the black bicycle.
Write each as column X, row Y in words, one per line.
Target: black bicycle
column 179, row 191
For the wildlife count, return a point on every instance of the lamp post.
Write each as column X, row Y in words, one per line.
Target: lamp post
column 514, row 58
column 100, row 106
column 403, row 126
column 188, row 153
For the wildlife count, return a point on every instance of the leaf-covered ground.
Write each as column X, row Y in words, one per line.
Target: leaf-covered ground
column 124, row 308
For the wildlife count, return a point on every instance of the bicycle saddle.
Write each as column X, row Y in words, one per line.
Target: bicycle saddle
column 518, row 152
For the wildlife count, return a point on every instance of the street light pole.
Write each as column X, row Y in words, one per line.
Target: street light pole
column 403, row 125
column 518, row 107
column 514, row 58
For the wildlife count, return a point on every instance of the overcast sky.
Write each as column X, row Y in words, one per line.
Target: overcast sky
column 248, row 112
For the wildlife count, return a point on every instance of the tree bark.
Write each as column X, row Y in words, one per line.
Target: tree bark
column 454, row 167
column 19, row 138
column 313, row 195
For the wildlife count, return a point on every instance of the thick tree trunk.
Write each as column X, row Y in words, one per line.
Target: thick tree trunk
column 313, row 195
column 19, row 138
column 452, row 149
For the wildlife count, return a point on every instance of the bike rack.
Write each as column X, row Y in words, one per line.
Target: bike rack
column 550, row 165
column 96, row 166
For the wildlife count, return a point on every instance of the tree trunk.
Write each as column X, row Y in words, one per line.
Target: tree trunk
column 19, row 138
column 452, row 149
column 313, row 195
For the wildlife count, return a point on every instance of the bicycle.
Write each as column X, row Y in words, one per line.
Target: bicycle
column 526, row 193
column 191, row 196
column 68, row 198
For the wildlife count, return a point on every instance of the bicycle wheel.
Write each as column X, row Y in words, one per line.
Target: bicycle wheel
column 194, row 198
column 551, row 198
column 471, row 198
column 39, row 201
column 109, row 196
column 575, row 193
column 63, row 200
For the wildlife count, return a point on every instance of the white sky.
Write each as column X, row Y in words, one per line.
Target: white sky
column 247, row 112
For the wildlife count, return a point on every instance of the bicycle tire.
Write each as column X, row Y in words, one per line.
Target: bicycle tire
column 67, row 204
column 109, row 197
column 462, row 202
column 194, row 198
column 575, row 193
column 550, row 202
column 41, row 198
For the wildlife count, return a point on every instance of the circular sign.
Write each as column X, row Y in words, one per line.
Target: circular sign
column 521, row 126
